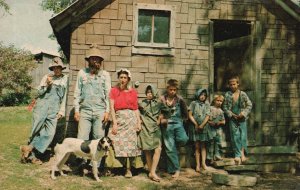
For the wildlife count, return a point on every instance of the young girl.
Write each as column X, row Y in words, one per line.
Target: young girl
column 216, row 121
column 199, row 112
column 150, row 135
column 237, row 107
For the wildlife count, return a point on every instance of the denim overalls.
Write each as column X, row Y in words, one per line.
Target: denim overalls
column 51, row 101
column 174, row 134
column 92, row 106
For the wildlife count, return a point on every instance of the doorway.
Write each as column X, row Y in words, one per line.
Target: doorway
column 233, row 55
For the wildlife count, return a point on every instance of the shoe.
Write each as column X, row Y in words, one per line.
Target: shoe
column 25, row 152
column 36, row 161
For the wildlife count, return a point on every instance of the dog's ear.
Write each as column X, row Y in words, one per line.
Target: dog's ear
column 99, row 146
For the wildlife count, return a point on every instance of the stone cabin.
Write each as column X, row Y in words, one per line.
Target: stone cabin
column 200, row 43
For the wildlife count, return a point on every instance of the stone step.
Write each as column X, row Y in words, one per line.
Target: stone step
column 273, row 150
column 272, row 167
column 259, row 159
column 234, row 180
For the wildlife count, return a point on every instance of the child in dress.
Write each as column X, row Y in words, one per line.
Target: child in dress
column 199, row 112
column 237, row 107
column 216, row 122
column 150, row 135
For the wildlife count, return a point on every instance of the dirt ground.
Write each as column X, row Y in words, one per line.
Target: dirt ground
column 189, row 179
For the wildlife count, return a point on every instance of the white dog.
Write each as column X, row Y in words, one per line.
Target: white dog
column 94, row 150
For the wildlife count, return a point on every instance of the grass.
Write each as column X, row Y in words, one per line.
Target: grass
column 15, row 125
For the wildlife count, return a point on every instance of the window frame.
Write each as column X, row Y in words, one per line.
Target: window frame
column 154, row 48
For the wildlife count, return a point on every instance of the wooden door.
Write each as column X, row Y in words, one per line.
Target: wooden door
column 233, row 55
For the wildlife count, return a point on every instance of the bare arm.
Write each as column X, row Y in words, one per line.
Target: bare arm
column 113, row 117
column 192, row 119
column 138, row 125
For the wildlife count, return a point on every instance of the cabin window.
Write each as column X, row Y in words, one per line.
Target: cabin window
column 154, row 29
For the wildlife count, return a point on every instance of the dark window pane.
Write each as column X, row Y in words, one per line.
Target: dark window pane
column 144, row 26
column 161, row 26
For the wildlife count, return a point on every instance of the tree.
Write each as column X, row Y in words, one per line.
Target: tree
column 15, row 67
column 4, row 5
column 56, row 5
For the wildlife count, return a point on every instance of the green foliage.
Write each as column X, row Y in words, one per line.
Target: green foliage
column 56, row 5
column 15, row 79
column 4, row 5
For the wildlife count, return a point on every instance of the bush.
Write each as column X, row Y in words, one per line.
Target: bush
column 15, row 99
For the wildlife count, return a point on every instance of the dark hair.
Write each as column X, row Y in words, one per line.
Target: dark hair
column 172, row 83
column 123, row 72
column 234, row 77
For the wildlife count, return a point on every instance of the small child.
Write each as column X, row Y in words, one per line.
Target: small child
column 237, row 107
column 216, row 121
column 150, row 134
column 199, row 112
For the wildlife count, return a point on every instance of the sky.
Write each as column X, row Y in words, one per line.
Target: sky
column 27, row 27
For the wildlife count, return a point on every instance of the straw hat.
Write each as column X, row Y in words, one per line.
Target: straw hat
column 56, row 61
column 93, row 51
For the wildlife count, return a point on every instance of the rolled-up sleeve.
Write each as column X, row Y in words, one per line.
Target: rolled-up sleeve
column 77, row 91
column 42, row 88
column 62, row 110
column 247, row 105
column 107, row 90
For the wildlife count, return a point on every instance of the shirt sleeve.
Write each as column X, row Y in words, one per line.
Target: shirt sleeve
column 62, row 110
column 42, row 88
column 226, row 105
column 247, row 105
column 77, row 92
column 107, row 88
column 134, row 99
column 207, row 110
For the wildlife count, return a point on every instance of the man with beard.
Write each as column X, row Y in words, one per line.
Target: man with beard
column 91, row 97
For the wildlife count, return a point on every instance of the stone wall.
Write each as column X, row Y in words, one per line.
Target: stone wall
column 275, row 54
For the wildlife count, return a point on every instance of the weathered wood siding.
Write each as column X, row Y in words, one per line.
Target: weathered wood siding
column 276, row 55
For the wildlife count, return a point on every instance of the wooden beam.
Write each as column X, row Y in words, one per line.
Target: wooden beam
column 235, row 42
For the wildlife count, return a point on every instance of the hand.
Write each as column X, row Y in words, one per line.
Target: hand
column 114, row 129
column 49, row 80
column 58, row 116
column 234, row 116
column 77, row 116
column 105, row 117
column 138, row 127
column 211, row 123
column 199, row 127
column 240, row 117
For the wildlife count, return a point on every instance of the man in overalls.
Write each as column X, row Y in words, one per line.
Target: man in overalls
column 91, row 97
column 49, row 107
